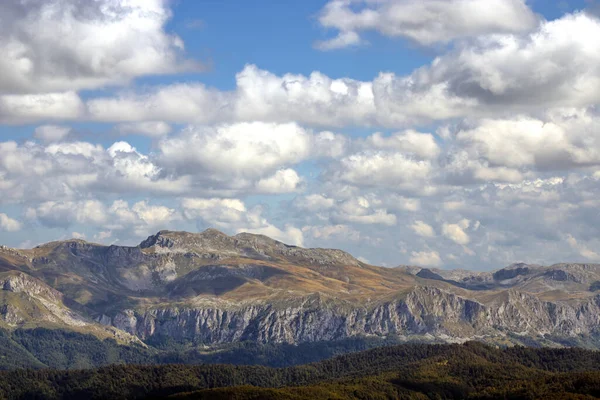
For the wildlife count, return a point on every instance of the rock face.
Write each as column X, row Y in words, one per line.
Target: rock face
column 424, row 311
column 212, row 288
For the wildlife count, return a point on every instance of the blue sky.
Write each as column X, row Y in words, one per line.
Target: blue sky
column 457, row 133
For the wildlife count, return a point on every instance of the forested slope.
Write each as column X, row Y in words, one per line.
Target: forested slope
column 471, row 370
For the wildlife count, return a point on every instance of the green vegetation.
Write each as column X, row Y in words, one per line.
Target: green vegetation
column 59, row 349
column 413, row 371
column 71, row 350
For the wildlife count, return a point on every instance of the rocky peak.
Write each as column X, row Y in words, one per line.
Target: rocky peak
column 210, row 239
column 74, row 246
column 9, row 251
column 219, row 245
column 512, row 272
column 18, row 282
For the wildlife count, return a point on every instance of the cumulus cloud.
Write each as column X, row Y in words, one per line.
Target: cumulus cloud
column 339, row 231
column 456, row 232
column 51, row 133
column 561, row 140
column 259, row 96
column 494, row 73
column 582, row 249
column 145, row 128
column 142, row 218
column 522, row 169
column 314, row 202
column 423, row 229
column 254, row 156
column 378, row 168
column 65, row 170
column 103, row 235
column 489, row 75
column 343, row 39
column 138, row 219
column 196, row 161
column 234, row 149
column 426, row 258
column 422, row 145
column 362, row 211
column 9, row 224
column 283, row 181
column 103, row 42
column 224, row 213
column 426, row 21
column 55, row 214
column 59, row 106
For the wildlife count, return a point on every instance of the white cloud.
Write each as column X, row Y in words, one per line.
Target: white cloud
column 145, row 128
column 140, row 219
column 283, row 181
column 426, row 258
column 316, row 99
column 233, row 150
column 259, row 96
column 456, row 232
column 562, row 139
column 425, row 21
column 150, row 215
column 423, row 229
column 360, row 210
column 487, row 76
column 103, row 42
column 103, row 235
column 9, row 224
column 494, row 72
column 226, row 160
column 339, row 231
column 63, row 214
column 129, row 163
column 343, row 39
column 16, row 109
column 314, row 202
column 401, row 203
column 393, row 170
column 422, row 145
column 225, row 213
column 51, row 133
column 522, row 167
column 582, row 249
column 67, row 170
column 330, row 145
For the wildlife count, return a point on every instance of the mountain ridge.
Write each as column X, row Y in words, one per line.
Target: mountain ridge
column 212, row 288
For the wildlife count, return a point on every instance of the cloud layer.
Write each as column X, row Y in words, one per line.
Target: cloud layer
column 424, row 21
column 487, row 154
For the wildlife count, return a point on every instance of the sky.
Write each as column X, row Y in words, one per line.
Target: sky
column 438, row 133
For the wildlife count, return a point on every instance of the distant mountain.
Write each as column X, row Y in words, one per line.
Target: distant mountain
column 210, row 288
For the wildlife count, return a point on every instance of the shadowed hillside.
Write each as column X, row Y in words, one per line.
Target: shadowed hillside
column 464, row 371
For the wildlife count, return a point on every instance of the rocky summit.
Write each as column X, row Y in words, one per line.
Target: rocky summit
column 213, row 289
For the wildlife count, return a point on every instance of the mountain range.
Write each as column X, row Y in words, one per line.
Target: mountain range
column 212, row 289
